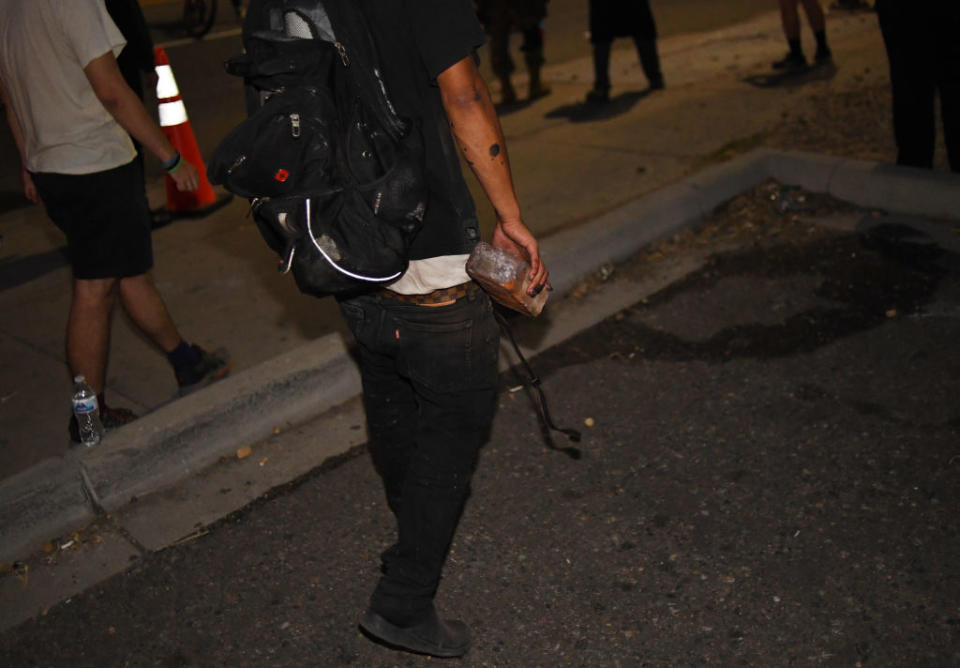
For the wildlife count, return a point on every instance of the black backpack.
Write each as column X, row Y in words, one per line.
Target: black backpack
column 334, row 174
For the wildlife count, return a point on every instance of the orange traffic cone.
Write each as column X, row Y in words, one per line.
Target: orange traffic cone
column 176, row 126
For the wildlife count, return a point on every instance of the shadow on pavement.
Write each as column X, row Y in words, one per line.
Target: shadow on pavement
column 17, row 271
column 585, row 112
column 786, row 79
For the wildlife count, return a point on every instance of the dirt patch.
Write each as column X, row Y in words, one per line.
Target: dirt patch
column 768, row 214
column 853, row 124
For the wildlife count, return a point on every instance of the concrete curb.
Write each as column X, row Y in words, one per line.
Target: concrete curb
column 920, row 192
column 46, row 500
column 615, row 236
column 190, row 434
column 57, row 496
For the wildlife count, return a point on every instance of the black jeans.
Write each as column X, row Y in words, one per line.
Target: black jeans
column 649, row 62
column 429, row 389
column 923, row 46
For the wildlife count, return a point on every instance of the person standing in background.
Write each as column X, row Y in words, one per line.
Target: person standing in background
column 610, row 19
column 502, row 17
column 71, row 115
column 790, row 17
column 923, row 47
column 136, row 61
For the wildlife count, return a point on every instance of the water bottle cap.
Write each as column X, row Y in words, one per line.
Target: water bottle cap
column 79, row 378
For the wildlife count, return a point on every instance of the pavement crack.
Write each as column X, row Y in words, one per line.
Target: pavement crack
column 89, row 490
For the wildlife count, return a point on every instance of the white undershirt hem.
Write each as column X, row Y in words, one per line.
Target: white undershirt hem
column 434, row 273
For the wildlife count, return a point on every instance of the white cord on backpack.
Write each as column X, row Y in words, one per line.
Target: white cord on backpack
column 372, row 279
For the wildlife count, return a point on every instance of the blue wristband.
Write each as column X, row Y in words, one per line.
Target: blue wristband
column 171, row 163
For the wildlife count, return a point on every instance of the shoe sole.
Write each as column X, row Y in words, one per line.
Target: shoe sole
column 384, row 632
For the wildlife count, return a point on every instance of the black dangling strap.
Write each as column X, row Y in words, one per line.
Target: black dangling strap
column 541, row 400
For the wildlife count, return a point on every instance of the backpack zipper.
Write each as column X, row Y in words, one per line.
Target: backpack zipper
column 395, row 125
column 236, row 164
column 342, row 50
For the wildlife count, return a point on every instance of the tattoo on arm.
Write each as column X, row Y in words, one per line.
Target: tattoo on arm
column 494, row 150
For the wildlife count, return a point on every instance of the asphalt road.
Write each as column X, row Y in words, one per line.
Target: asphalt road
column 769, row 477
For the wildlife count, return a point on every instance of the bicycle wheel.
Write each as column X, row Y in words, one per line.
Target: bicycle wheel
column 198, row 16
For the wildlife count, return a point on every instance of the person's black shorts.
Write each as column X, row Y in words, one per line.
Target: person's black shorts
column 105, row 218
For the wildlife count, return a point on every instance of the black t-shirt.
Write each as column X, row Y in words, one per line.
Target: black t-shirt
column 417, row 40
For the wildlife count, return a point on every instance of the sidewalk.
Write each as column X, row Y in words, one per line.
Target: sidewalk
column 219, row 281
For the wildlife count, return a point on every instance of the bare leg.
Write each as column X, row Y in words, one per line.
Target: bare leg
column 143, row 304
column 794, row 61
column 819, row 27
column 790, row 18
column 814, row 15
column 88, row 329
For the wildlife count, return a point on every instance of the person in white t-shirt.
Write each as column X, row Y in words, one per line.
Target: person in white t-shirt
column 70, row 112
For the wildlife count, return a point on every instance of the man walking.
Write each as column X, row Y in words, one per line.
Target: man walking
column 70, row 111
column 428, row 345
column 795, row 61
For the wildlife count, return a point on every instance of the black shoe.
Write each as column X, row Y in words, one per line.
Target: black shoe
column 160, row 217
column 598, row 96
column 823, row 57
column 116, row 417
column 211, row 367
column 445, row 639
column 792, row 62
column 110, row 418
column 657, row 83
column 538, row 90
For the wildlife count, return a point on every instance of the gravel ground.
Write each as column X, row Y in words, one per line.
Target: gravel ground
column 849, row 123
column 856, row 123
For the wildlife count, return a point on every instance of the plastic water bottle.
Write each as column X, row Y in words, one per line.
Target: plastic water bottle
column 87, row 411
